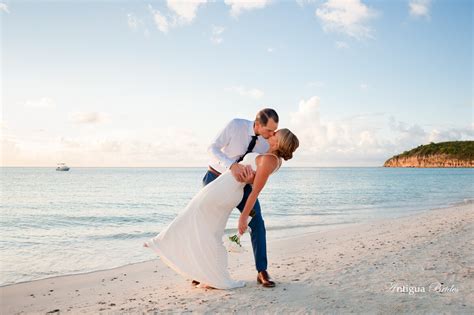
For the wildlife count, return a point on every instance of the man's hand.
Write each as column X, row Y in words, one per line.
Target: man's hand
column 249, row 179
column 243, row 173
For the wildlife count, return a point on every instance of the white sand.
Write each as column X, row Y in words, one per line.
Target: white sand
column 348, row 269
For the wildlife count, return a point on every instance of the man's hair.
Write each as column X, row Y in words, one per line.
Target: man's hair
column 265, row 114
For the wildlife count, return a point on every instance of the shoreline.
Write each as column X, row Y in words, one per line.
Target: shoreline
column 296, row 263
column 322, row 228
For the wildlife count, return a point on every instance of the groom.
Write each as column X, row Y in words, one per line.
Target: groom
column 238, row 138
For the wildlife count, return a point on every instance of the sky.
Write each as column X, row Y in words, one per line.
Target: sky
column 151, row 83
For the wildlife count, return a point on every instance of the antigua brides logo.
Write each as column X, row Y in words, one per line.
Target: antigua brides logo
column 433, row 287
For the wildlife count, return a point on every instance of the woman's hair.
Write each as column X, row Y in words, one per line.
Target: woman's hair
column 265, row 114
column 287, row 144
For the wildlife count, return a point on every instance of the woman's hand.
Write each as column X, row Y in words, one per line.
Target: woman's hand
column 243, row 223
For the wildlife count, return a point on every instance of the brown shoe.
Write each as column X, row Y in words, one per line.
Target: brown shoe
column 264, row 279
column 195, row 282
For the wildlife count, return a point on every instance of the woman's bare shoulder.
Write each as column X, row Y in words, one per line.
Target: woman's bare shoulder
column 268, row 161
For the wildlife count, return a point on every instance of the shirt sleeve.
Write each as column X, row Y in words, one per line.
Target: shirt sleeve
column 222, row 140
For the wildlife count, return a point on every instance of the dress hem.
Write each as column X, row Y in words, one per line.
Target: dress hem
column 170, row 264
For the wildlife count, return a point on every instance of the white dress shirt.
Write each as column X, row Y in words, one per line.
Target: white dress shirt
column 232, row 142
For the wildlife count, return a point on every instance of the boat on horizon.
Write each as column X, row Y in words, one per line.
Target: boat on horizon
column 62, row 167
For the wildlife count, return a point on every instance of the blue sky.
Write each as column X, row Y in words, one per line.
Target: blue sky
column 150, row 83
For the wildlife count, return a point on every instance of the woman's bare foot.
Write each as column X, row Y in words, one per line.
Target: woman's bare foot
column 145, row 244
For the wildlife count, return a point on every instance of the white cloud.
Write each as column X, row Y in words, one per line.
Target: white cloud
column 330, row 143
column 419, row 7
column 181, row 13
column 185, row 10
column 136, row 24
column 346, row 16
column 254, row 93
column 366, row 139
column 302, row 3
column 88, row 117
column 217, row 31
column 307, row 123
column 160, row 20
column 308, row 112
column 43, row 103
column 364, row 86
column 409, row 135
column 341, row 45
column 145, row 147
column 270, row 50
column 4, row 8
column 132, row 21
column 237, row 6
column 451, row 134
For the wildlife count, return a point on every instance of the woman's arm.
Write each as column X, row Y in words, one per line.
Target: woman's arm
column 266, row 164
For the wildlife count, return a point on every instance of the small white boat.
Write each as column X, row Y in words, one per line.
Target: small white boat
column 62, row 167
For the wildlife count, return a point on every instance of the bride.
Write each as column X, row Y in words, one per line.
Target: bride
column 192, row 243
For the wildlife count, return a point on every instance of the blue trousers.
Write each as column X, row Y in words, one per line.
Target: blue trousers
column 257, row 225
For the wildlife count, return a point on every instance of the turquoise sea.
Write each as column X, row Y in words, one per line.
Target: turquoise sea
column 55, row 223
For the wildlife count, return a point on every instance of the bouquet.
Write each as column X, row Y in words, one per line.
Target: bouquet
column 233, row 242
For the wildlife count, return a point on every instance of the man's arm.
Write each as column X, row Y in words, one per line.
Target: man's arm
column 240, row 172
column 222, row 139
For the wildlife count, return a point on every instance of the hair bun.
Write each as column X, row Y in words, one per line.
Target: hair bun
column 287, row 144
column 287, row 156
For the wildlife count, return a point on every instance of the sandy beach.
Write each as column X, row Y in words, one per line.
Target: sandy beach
column 421, row 263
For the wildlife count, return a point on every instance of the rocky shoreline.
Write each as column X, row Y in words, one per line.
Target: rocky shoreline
column 438, row 160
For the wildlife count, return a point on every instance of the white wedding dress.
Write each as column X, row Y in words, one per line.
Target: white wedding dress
column 192, row 244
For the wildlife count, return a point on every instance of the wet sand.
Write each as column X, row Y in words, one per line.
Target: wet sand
column 421, row 263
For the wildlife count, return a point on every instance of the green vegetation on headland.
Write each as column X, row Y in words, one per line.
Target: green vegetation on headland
column 461, row 150
column 443, row 154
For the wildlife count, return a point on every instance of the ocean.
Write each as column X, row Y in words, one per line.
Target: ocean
column 56, row 223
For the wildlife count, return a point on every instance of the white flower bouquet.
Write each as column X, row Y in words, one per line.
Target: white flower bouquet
column 233, row 242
